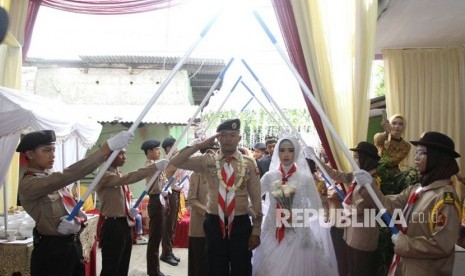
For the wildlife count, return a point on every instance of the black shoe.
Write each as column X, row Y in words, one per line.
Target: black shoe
column 169, row 260
column 177, row 259
column 158, row 274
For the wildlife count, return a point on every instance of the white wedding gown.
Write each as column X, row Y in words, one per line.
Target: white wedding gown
column 303, row 250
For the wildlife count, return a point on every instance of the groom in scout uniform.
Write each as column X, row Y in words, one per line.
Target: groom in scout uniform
column 232, row 179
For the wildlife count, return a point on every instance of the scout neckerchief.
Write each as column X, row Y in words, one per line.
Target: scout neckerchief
column 226, row 199
column 348, row 198
column 285, row 177
column 66, row 198
column 407, row 210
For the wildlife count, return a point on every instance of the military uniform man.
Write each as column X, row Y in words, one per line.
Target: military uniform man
column 232, row 179
column 116, row 234
column 44, row 196
column 431, row 209
column 155, row 209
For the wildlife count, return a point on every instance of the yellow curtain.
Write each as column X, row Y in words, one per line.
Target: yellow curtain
column 338, row 38
column 428, row 87
column 10, row 76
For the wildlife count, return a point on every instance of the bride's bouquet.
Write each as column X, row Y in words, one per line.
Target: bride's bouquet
column 284, row 194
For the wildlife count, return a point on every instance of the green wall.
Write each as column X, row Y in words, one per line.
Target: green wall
column 135, row 156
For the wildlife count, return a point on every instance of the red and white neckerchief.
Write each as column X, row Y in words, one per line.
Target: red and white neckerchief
column 226, row 200
column 285, row 177
column 407, row 210
column 70, row 203
column 66, row 198
column 127, row 201
column 348, row 197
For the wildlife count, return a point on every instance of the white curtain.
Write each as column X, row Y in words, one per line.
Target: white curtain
column 337, row 38
column 22, row 113
column 428, row 87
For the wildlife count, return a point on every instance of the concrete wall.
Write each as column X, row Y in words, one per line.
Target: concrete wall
column 135, row 156
column 111, row 86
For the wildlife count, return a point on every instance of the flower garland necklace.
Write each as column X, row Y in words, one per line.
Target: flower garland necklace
column 240, row 175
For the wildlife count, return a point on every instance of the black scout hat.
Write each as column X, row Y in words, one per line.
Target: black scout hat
column 36, row 139
column 168, row 142
column 150, row 144
column 231, row 124
column 367, row 148
column 437, row 141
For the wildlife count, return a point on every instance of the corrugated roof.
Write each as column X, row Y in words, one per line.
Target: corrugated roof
column 158, row 114
column 202, row 72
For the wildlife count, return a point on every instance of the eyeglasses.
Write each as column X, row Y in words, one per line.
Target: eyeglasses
column 419, row 153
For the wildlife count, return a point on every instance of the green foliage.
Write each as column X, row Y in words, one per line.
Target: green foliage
column 380, row 83
column 391, row 184
column 257, row 124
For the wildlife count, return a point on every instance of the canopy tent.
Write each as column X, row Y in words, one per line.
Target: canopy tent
column 22, row 113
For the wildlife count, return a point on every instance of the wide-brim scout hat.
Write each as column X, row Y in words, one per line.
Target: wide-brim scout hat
column 36, row 139
column 367, row 148
column 231, row 124
column 437, row 141
column 150, row 144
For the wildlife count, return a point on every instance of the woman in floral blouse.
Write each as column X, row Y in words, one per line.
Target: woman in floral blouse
column 390, row 143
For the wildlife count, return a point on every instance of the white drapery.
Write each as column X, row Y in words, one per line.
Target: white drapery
column 21, row 113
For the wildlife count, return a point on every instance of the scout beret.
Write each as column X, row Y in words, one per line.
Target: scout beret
column 438, row 141
column 150, row 144
column 36, row 139
column 231, row 124
column 168, row 142
column 367, row 148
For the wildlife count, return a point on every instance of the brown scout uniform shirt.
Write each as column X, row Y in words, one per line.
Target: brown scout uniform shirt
column 428, row 247
column 40, row 198
column 110, row 190
column 205, row 164
column 361, row 238
column 158, row 184
column 197, row 198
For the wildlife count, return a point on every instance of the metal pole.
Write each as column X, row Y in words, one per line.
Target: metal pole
column 221, row 106
column 263, row 106
column 191, row 121
column 323, row 117
column 294, row 130
column 142, row 115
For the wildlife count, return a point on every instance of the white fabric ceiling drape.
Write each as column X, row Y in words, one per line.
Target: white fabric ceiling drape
column 22, row 113
column 337, row 38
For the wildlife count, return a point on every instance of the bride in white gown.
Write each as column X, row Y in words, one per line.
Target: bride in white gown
column 304, row 249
